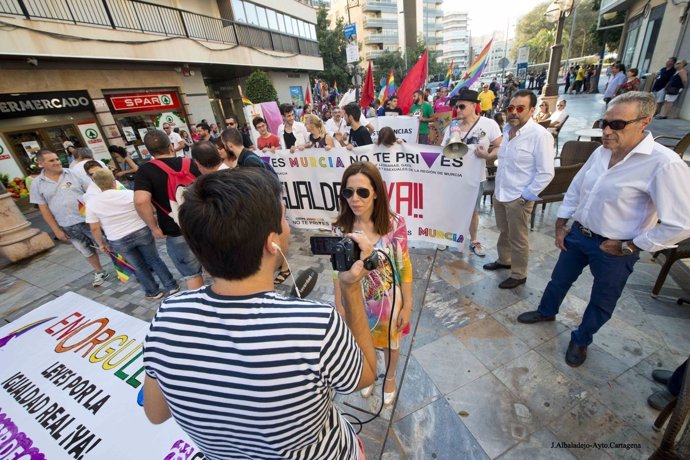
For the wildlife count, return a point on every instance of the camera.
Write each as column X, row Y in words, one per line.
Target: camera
column 343, row 251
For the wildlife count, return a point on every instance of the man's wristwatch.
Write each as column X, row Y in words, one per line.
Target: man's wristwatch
column 627, row 248
column 371, row 262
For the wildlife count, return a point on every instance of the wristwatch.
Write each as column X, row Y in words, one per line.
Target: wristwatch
column 371, row 262
column 626, row 249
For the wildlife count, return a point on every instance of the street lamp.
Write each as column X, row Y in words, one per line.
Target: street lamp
column 557, row 11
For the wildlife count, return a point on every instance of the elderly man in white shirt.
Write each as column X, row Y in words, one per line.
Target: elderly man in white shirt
column 632, row 195
column 175, row 139
column 558, row 116
column 525, row 168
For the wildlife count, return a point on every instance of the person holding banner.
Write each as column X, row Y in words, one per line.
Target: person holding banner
column 364, row 209
column 525, row 168
column 359, row 135
column 246, row 372
column 422, row 110
column 483, row 138
column 266, row 140
column 318, row 137
column 292, row 134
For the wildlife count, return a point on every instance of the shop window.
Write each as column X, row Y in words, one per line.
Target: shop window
column 26, row 144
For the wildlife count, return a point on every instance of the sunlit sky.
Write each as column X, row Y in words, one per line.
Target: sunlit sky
column 489, row 15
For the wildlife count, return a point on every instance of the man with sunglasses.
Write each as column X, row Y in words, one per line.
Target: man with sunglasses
column 525, row 168
column 483, row 137
column 632, row 194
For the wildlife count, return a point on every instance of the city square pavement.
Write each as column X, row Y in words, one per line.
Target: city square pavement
column 473, row 382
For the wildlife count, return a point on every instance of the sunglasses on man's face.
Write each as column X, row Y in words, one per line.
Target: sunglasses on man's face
column 518, row 109
column 461, row 106
column 361, row 192
column 617, row 125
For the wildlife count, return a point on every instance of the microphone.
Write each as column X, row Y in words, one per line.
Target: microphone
column 304, row 283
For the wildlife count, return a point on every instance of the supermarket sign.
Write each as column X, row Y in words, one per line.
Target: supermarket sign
column 144, row 102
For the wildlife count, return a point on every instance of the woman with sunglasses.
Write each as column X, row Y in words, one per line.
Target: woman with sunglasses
column 543, row 114
column 388, row 289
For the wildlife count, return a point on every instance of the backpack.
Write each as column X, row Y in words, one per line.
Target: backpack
column 177, row 181
column 252, row 159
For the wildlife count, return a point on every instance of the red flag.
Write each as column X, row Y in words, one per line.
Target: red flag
column 307, row 98
column 415, row 80
column 368, row 89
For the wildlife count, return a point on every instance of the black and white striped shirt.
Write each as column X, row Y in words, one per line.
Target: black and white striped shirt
column 254, row 377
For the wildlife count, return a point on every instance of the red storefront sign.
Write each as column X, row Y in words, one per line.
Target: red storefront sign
column 144, row 102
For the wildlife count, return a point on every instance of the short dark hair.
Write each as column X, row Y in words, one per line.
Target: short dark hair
column 227, row 217
column 117, row 149
column 206, row 154
column 232, row 116
column 204, row 126
column 526, row 93
column 157, row 142
column 386, row 136
column 353, row 110
column 257, row 121
column 418, row 92
column 91, row 164
column 674, row 59
column 41, row 153
column 232, row 136
column 286, row 108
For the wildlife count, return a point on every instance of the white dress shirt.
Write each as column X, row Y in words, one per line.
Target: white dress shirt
column 614, row 83
column 300, row 132
column 559, row 116
column 625, row 202
column 525, row 163
column 333, row 127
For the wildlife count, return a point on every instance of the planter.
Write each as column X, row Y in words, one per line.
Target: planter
column 23, row 204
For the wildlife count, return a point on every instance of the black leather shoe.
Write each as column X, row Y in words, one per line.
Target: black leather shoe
column 495, row 266
column 662, row 376
column 511, row 283
column 575, row 355
column 531, row 317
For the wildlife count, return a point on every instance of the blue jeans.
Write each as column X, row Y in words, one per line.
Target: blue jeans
column 139, row 249
column 184, row 259
column 610, row 275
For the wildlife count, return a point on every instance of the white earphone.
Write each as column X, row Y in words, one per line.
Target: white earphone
column 277, row 247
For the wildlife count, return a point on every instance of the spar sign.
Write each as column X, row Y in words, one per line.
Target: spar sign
column 70, row 387
column 144, row 102
column 436, row 195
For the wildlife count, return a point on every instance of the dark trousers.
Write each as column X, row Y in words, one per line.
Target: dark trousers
column 676, row 379
column 610, row 275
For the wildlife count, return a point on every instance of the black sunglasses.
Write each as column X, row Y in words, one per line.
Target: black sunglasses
column 361, row 192
column 617, row 125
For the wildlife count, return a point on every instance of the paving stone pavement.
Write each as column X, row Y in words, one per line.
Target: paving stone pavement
column 473, row 383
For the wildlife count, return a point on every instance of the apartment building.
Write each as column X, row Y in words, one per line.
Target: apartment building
column 102, row 72
column 391, row 25
column 456, row 40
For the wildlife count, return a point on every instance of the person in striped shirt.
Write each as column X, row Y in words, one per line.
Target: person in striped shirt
column 245, row 372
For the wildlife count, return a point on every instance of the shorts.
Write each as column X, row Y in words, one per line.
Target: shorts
column 81, row 238
column 660, row 95
column 671, row 97
column 480, row 195
column 182, row 256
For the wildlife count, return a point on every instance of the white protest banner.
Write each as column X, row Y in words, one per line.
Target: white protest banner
column 71, row 376
column 406, row 128
column 434, row 194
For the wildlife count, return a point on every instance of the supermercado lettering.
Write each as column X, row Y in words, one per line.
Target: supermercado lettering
column 29, row 104
column 70, row 382
column 435, row 194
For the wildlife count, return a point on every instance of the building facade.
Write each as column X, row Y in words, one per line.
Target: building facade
column 500, row 49
column 103, row 73
column 391, row 25
column 456, row 40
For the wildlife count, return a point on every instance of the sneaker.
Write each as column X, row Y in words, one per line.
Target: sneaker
column 99, row 278
column 173, row 291
column 476, row 248
column 154, row 297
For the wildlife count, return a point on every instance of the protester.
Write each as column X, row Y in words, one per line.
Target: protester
column 206, row 156
column 392, row 109
column 424, row 112
column 113, row 211
column 318, row 137
column 284, row 356
column 126, row 167
column 337, row 126
column 151, row 189
column 92, row 189
column 58, row 193
column 675, row 86
column 483, row 138
column 292, row 134
column 81, row 156
column 387, row 137
column 231, row 121
column 359, row 135
column 632, row 195
column 387, row 289
column 441, row 102
column 525, row 168
column 188, row 142
column 486, row 100
column 203, row 130
column 175, row 140
column 266, row 141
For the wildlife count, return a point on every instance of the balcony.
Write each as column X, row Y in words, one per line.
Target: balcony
column 375, row 39
column 375, row 6
column 378, row 23
column 433, row 13
column 371, row 55
column 149, row 18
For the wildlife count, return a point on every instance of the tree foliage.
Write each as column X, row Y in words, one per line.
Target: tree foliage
column 332, row 48
column 535, row 31
column 260, row 88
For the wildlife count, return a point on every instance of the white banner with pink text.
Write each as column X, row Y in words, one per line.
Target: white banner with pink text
column 436, row 195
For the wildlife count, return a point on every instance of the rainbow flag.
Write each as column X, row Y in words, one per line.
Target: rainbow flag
column 449, row 76
column 23, row 330
column 389, row 89
column 474, row 71
column 82, row 208
column 246, row 101
column 122, row 267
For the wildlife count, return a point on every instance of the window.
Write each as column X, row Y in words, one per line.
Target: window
column 295, row 29
column 281, row 23
column 288, row 25
column 261, row 13
column 302, row 32
column 252, row 18
column 238, row 10
column 312, row 31
column 272, row 20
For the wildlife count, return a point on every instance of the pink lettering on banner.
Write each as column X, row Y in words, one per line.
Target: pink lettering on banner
column 406, row 198
column 15, row 443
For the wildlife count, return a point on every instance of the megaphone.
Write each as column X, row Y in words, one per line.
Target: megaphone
column 455, row 148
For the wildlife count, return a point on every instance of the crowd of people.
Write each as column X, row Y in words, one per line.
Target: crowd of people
column 277, row 399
